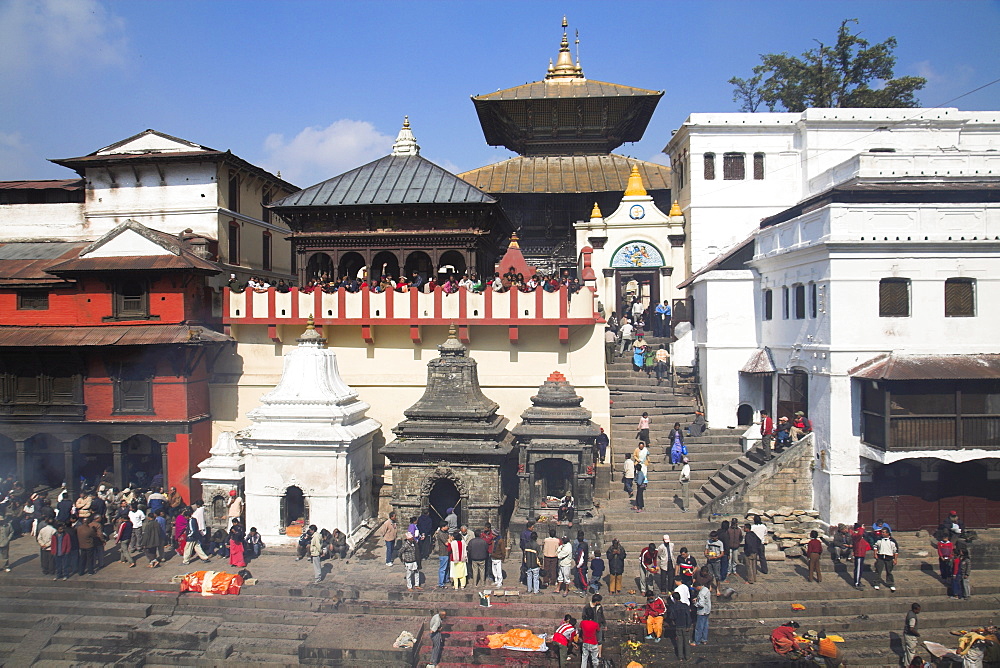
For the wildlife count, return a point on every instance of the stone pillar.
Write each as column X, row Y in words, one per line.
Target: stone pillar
column 118, row 457
column 22, row 468
column 69, row 474
column 164, row 447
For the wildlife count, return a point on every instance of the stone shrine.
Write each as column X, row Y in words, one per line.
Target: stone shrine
column 308, row 450
column 219, row 474
column 453, row 448
column 555, row 442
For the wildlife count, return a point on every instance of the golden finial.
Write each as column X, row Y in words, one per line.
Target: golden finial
column 635, row 187
column 675, row 209
column 452, row 331
column 513, row 241
column 406, row 121
column 596, row 212
column 310, row 323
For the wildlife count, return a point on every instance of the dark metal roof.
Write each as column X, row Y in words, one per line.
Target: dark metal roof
column 111, row 335
column 61, row 184
column 27, row 263
column 566, row 174
column 929, row 367
column 548, row 89
column 394, row 179
column 759, row 362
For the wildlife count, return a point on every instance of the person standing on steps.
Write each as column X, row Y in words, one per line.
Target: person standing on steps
column 649, row 567
column 602, row 442
column 643, row 428
column 388, row 533
column 591, row 638
column 408, row 554
column 678, row 450
column 661, row 319
column 860, row 549
column 628, row 475
column 610, row 345
column 529, row 557
column 752, row 549
column 814, row 551
column 550, row 560
column 640, row 488
column 441, row 540
column 766, row 433
column 911, row 634
column 760, row 529
column 665, row 555
column 616, row 566
column 625, row 336
column 660, row 363
column 565, row 554
column 714, row 551
column 685, row 479
column 436, row 627
column 680, row 619
column 703, row 608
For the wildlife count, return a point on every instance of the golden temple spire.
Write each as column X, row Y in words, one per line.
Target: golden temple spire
column 564, row 67
column 513, row 241
column 675, row 209
column 635, row 187
column 596, row 212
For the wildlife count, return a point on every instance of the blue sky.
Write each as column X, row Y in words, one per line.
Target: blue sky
column 315, row 88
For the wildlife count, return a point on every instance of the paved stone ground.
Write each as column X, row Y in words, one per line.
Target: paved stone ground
column 362, row 604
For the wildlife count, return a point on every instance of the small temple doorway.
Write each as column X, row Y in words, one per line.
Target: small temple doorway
column 294, row 509
column 444, row 495
column 793, row 394
column 553, row 477
column 632, row 286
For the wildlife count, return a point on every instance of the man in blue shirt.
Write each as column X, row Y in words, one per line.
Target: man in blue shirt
column 661, row 319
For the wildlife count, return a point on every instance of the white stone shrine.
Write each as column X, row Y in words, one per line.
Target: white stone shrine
column 308, row 450
column 220, row 473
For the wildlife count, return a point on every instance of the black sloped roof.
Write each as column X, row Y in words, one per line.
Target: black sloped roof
column 394, row 179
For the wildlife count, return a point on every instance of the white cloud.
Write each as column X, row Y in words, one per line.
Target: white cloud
column 59, row 35
column 15, row 156
column 317, row 153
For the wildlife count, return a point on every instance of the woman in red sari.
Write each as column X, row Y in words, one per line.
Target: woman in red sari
column 180, row 532
column 236, row 535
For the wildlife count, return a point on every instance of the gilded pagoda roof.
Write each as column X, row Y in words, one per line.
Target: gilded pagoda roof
column 394, row 179
column 566, row 174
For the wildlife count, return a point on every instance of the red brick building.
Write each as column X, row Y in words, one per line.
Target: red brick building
column 105, row 350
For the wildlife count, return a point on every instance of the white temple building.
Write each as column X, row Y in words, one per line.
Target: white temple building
column 308, row 450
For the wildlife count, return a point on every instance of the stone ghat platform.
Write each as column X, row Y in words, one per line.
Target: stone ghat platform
column 136, row 617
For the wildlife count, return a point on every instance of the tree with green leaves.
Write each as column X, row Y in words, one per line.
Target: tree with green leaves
column 851, row 73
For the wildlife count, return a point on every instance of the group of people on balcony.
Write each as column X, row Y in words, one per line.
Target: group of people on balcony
column 449, row 283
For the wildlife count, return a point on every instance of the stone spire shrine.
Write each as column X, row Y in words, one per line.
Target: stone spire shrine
column 555, row 442
column 453, row 449
column 308, row 450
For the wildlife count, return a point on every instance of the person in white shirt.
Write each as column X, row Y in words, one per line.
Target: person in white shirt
column 628, row 474
column 886, row 554
column 626, row 333
column 665, row 555
column 683, row 590
column 685, row 481
column 137, row 517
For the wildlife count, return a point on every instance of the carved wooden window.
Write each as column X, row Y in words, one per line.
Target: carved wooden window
column 234, row 191
column 758, row 166
column 265, row 199
column 133, row 390
column 32, row 300
column 266, row 251
column 41, row 385
column 709, row 166
column 734, row 167
column 800, row 301
column 234, row 243
column 960, row 298
column 768, row 299
column 894, row 298
column 131, row 300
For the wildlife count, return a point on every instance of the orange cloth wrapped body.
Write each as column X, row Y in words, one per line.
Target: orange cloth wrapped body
column 212, row 582
column 516, row 638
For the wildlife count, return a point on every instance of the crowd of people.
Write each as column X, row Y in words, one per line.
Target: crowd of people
column 448, row 282
column 78, row 536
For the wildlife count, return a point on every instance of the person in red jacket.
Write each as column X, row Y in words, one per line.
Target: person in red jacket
column 861, row 548
column 783, row 640
column 814, row 550
column 654, row 610
column 766, row 433
column 60, row 549
column 946, row 552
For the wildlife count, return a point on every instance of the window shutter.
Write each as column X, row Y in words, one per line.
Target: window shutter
column 894, row 298
column 959, row 298
column 734, row 167
column 709, row 166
